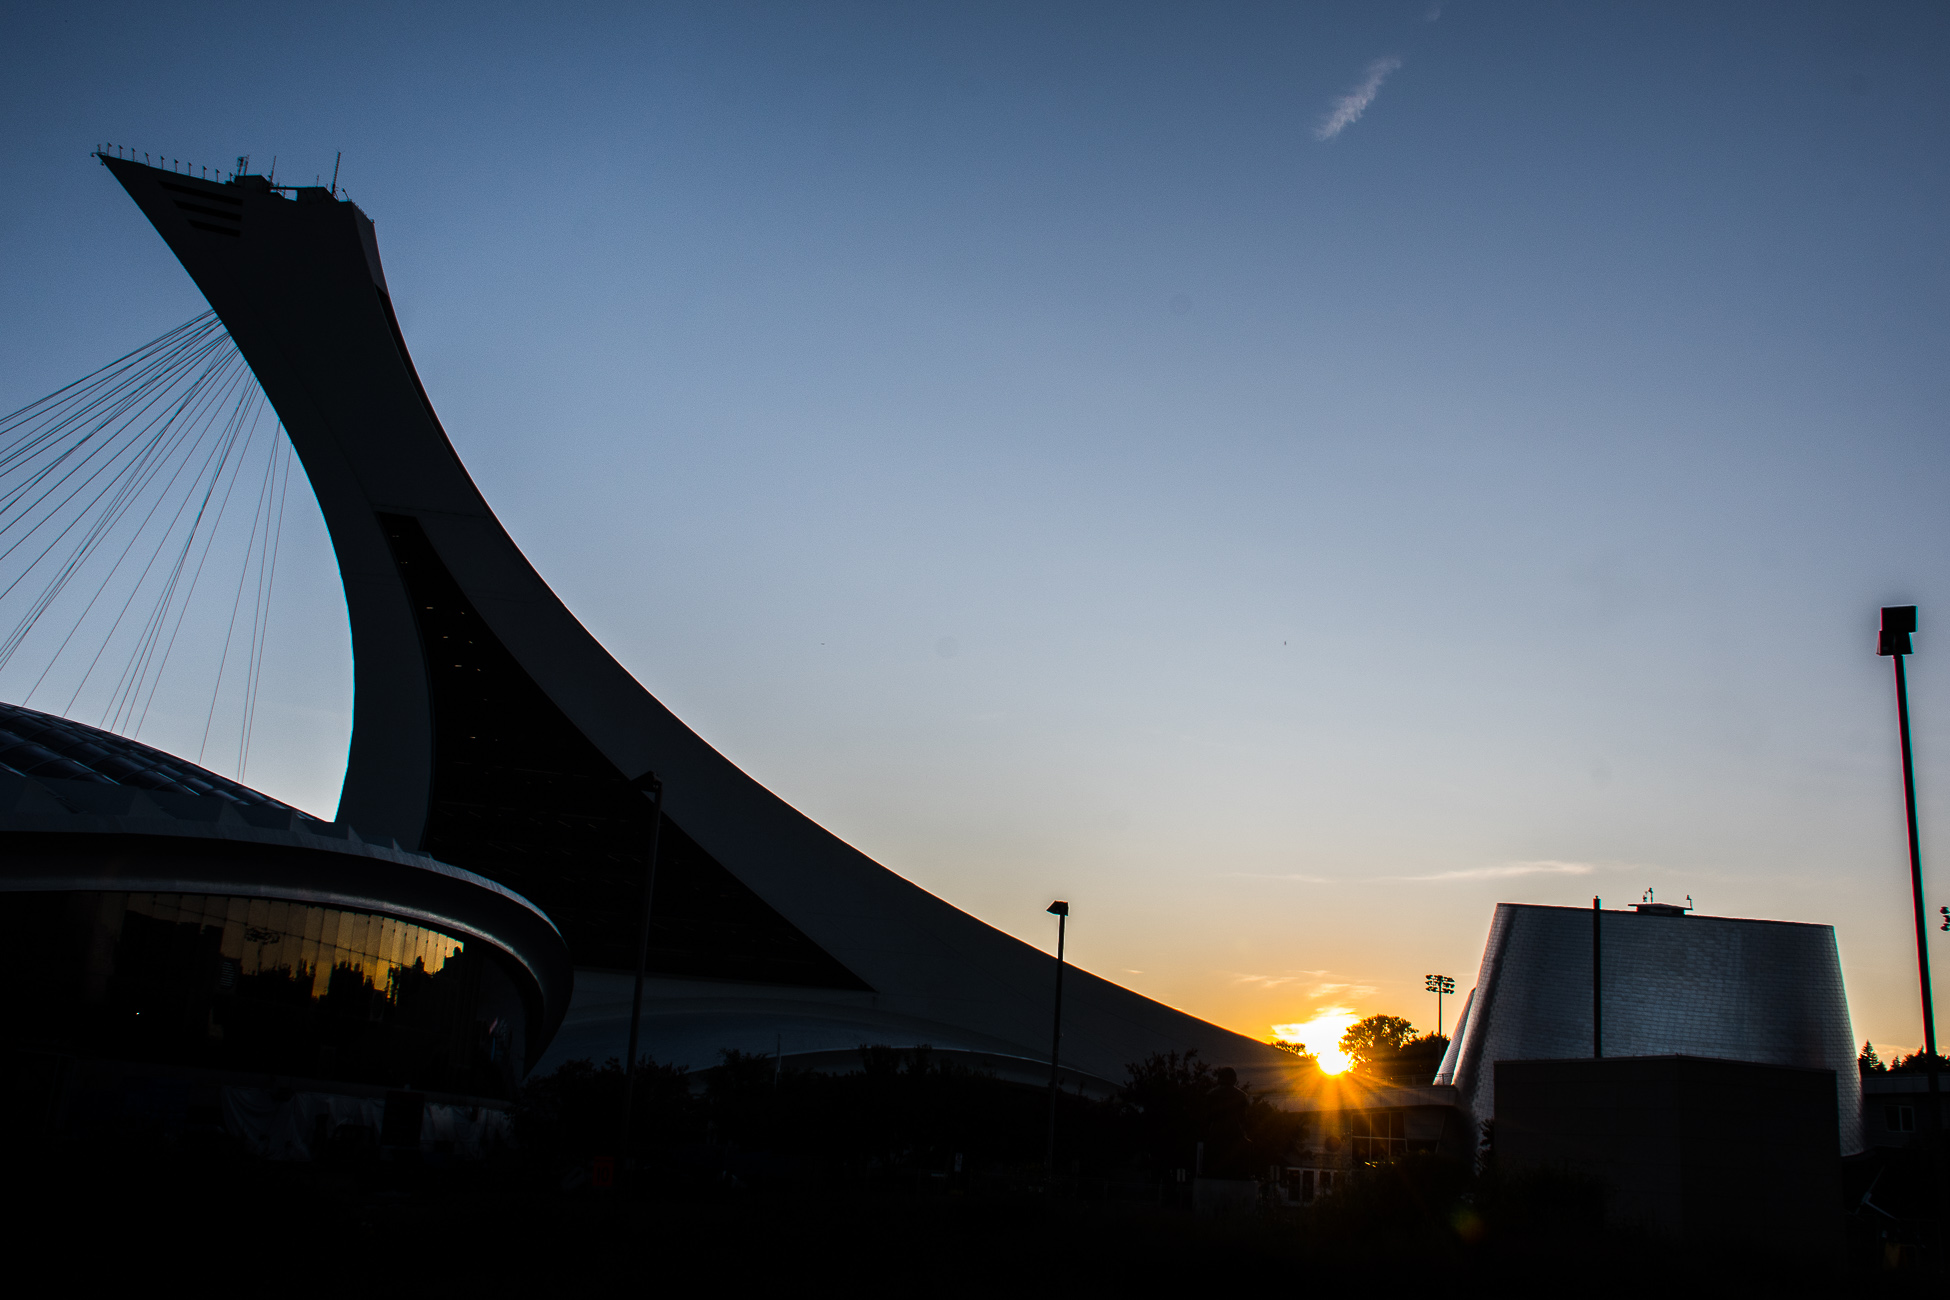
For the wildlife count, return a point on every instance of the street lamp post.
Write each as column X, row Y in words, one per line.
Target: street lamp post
column 1597, row 980
column 1898, row 623
column 1438, row 985
column 1061, row 911
column 652, row 789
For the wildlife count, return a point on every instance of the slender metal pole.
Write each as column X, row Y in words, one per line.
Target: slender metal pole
column 1916, row 892
column 1597, row 985
column 653, row 790
column 1055, row 1043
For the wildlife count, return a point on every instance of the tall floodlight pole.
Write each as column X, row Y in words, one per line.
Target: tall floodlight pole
column 1061, row 911
column 1438, row 985
column 652, row 789
column 1898, row 622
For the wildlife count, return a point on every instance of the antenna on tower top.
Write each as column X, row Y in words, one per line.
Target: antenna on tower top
column 336, row 159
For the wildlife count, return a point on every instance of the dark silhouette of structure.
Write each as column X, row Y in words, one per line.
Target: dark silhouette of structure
column 158, row 914
column 493, row 732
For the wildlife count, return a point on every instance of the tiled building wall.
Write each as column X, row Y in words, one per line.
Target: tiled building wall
column 1742, row 990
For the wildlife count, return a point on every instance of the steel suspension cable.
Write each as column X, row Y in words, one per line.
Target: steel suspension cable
column 118, row 488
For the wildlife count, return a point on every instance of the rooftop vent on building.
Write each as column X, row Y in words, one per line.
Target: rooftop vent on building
column 1648, row 906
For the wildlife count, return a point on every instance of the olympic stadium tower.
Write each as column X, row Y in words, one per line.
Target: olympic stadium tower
column 493, row 734
column 1663, row 983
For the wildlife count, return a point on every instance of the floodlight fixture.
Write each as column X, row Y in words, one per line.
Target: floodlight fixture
column 1440, row 985
column 1898, row 625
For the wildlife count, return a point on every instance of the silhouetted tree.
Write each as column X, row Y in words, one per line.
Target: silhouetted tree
column 1917, row 1062
column 1868, row 1062
column 577, row 1111
column 1375, row 1038
column 1300, row 1050
column 1174, row 1101
column 1387, row 1048
column 1415, row 1061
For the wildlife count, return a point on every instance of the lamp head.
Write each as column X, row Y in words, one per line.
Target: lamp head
column 1898, row 622
column 1058, row 908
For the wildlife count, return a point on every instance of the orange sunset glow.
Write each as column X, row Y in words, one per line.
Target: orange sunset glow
column 1321, row 1036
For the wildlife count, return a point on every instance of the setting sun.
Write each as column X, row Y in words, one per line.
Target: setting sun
column 1321, row 1036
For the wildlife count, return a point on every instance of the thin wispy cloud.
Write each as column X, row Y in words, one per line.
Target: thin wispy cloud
column 1316, row 987
column 1281, row 875
column 1348, row 108
column 1510, row 869
column 1343, row 990
column 1275, row 981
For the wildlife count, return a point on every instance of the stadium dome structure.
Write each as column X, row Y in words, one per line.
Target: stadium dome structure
column 157, row 914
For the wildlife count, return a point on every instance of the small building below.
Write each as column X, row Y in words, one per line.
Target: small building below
column 1896, row 1108
column 1686, row 1148
column 1349, row 1121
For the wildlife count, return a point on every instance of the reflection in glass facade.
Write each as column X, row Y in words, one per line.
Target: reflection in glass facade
column 267, row 944
column 259, row 984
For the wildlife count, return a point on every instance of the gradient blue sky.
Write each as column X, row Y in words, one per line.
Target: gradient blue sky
column 1016, row 436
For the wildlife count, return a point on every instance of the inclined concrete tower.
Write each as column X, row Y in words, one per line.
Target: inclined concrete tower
column 492, row 732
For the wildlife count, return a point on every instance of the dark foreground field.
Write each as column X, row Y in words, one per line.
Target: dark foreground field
column 903, row 1178
column 215, row 1222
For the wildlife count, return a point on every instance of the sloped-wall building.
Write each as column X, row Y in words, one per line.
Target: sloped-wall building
column 1667, row 983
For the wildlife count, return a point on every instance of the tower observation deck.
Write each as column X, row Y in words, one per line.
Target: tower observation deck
column 492, row 732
